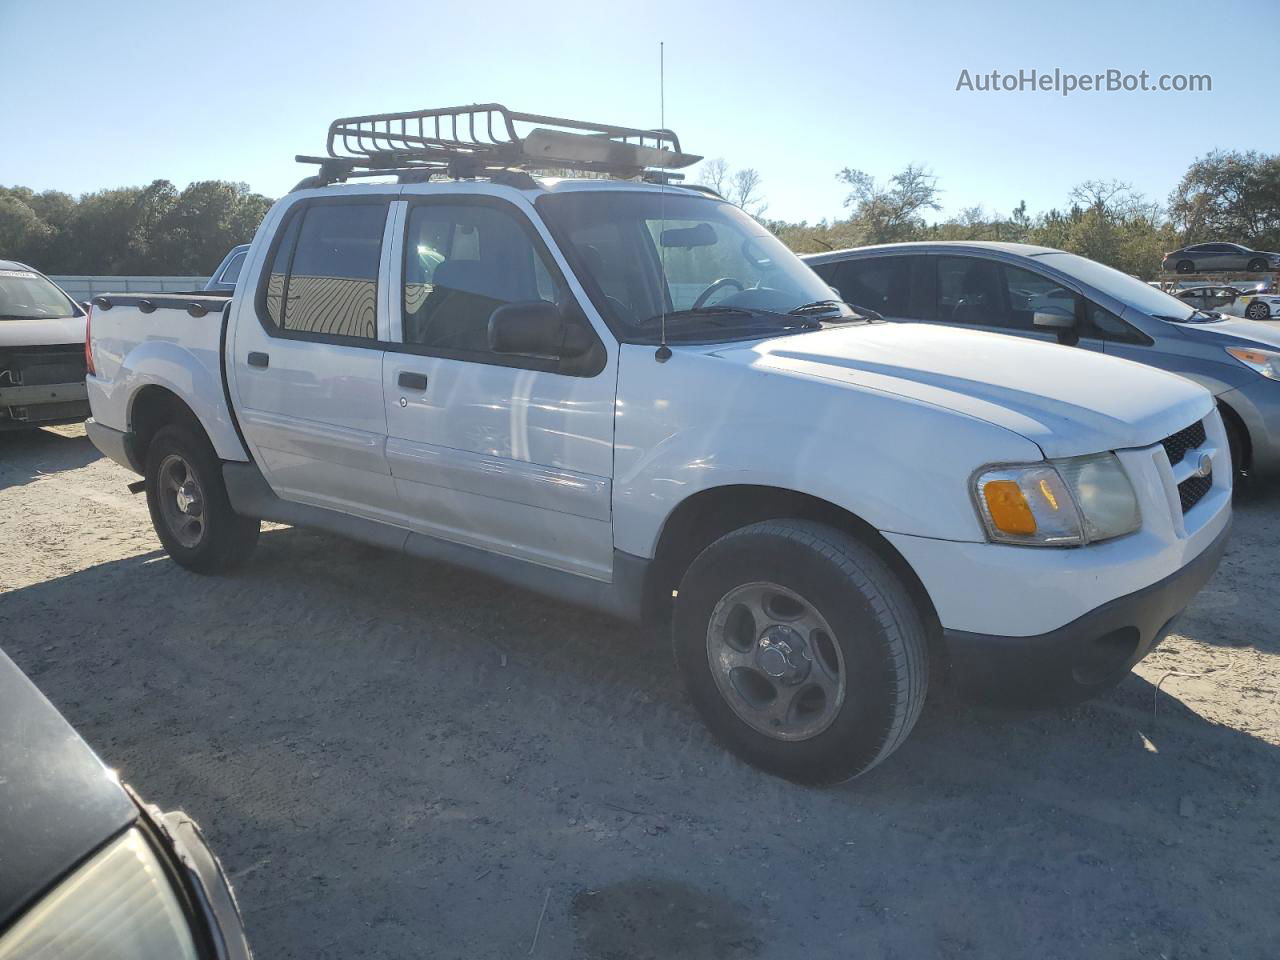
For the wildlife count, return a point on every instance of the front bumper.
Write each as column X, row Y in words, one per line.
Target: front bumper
column 42, row 405
column 1087, row 655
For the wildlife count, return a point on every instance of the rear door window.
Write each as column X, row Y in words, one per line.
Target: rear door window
column 323, row 281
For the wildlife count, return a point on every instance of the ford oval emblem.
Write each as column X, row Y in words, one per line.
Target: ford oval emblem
column 1205, row 467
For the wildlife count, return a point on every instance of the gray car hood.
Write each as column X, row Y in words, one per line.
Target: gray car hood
column 41, row 333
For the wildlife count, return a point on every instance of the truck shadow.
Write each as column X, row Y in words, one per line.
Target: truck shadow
column 25, row 455
column 383, row 749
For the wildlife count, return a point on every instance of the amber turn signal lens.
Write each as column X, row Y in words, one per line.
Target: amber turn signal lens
column 1009, row 509
column 1246, row 355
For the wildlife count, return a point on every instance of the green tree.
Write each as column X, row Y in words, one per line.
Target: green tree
column 23, row 235
column 887, row 212
column 1230, row 195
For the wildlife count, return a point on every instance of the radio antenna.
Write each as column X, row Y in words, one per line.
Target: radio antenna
column 663, row 353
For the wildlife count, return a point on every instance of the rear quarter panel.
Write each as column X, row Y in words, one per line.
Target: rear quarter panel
column 168, row 348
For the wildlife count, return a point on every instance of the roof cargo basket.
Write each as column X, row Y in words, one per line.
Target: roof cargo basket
column 486, row 138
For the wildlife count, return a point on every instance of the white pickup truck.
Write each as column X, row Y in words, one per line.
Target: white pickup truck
column 627, row 394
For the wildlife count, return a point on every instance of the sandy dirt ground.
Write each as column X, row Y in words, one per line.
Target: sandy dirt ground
column 395, row 759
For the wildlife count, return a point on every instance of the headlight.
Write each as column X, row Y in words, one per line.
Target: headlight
column 119, row 904
column 1062, row 503
column 1265, row 362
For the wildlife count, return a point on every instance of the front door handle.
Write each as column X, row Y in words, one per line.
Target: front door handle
column 413, row 381
column 257, row 359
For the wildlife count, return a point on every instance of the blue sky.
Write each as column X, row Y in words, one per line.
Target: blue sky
column 101, row 94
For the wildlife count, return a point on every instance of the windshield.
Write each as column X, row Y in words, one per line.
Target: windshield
column 1129, row 290
column 25, row 295
column 709, row 268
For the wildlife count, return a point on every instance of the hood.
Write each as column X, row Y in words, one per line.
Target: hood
column 1068, row 401
column 58, row 803
column 41, row 333
column 1230, row 332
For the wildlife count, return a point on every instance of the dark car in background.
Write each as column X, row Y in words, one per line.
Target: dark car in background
column 87, row 870
column 1047, row 294
column 42, row 363
column 1217, row 257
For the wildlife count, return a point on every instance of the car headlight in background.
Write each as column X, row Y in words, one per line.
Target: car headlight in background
column 1061, row 503
column 119, row 904
column 1266, row 362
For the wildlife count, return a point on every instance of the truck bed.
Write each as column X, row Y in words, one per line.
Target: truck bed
column 176, row 338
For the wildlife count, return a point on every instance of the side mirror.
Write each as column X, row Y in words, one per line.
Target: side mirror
column 537, row 328
column 1060, row 321
column 1054, row 318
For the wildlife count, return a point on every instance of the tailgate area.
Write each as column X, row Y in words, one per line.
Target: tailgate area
column 42, row 385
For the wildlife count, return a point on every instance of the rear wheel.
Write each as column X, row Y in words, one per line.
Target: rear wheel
column 189, row 507
column 1185, row 266
column 803, row 652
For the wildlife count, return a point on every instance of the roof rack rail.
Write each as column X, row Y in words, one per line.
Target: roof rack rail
column 484, row 138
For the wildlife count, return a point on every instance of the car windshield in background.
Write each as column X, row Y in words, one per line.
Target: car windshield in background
column 25, row 295
column 710, row 269
column 1130, row 290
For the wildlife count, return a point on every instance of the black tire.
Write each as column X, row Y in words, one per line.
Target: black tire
column 1257, row 265
column 224, row 539
column 1258, row 311
column 875, row 625
column 1185, row 266
column 1236, row 443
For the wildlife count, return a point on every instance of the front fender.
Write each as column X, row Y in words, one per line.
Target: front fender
column 901, row 465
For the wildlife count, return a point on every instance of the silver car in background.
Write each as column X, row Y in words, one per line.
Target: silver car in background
column 1047, row 294
column 42, row 359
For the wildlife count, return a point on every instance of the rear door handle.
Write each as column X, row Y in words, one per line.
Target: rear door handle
column 257, row 359
column 413, row 381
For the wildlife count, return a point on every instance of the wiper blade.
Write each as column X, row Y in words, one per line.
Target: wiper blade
column 817, row 306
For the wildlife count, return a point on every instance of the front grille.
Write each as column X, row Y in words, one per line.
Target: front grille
column 1177, row 445
column 1192, row 490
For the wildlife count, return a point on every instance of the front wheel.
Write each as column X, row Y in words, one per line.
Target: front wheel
column 803, row 652
column 1257, row 265
column 189, row 507
column 1258, row 311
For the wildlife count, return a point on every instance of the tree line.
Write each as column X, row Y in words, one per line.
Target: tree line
column 1231, row 196
column 160, row 230
column 156, row 230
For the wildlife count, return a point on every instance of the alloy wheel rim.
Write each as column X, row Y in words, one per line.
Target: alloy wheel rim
column 181, row 501
column 775, row 661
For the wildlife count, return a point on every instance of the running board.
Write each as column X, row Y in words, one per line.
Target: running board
column 252, row 496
